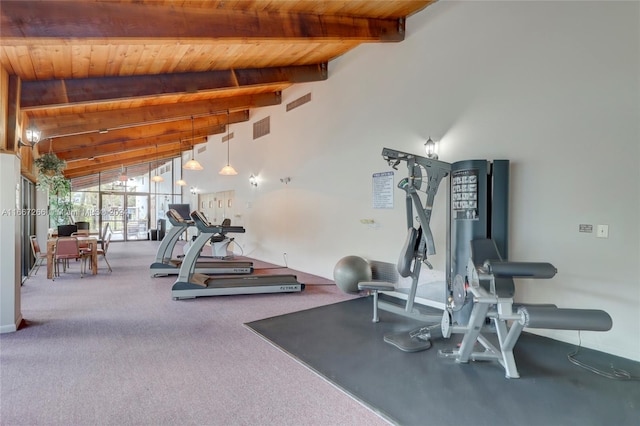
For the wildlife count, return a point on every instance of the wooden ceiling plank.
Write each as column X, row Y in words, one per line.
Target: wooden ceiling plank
column 42, row 60
column 68, row 124
column 69, row 19
column 202, row 126
column 81, row 60
column 115, row 150
column 118, row 148
column 143, row 155
column 129, row 159
column 47, row 94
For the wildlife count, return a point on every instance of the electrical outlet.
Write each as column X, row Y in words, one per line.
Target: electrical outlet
column 602, row 231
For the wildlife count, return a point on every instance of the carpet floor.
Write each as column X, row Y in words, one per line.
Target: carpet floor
column 115, row 349
column 340, row 343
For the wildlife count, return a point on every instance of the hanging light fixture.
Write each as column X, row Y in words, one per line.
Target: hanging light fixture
column 181, row 181
column 193, row 163
column 157, row 177
column 123, row 177
column 228, row 170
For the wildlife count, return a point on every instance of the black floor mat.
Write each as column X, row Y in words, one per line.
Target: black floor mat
column 341, row 343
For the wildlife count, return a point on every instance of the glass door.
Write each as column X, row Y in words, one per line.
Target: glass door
column 112, row 211
column 137, row 218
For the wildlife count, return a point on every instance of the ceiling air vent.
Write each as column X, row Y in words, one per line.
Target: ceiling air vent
column 202, row 149
column 261, row 128
column 300, row 101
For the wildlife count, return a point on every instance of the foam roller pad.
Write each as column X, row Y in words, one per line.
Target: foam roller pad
column 566, row 319
column 522, row 269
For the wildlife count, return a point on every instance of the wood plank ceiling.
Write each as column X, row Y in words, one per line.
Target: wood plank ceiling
column 113, row 83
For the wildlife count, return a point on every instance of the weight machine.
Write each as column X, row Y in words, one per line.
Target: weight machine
column 480, row 288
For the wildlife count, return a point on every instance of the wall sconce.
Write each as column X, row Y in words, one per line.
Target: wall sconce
column 33, row 137
column 285, row 180
column 193, row 190
column 253, row 181
column 430, row 149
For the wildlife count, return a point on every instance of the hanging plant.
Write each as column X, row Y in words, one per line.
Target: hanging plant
column 51, row 179
column 49, row 164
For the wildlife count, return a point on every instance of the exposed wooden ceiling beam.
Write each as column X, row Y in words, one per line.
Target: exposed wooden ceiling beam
column 51, row 93
column 99, row 164
column 93, row 122
column 71, row 20
column 117, row 148
column 89, row 145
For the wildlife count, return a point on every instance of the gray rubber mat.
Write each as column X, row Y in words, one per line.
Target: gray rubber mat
column 341, row 343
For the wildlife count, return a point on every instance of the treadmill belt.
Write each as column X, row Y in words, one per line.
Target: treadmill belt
column 202, row 282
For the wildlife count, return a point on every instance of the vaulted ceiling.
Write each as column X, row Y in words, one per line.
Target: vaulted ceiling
column 112, row 83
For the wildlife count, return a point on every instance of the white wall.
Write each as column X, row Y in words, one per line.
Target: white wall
column 10, row 251
column 552, row 86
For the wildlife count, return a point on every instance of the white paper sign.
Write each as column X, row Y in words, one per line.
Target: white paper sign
column 383, row 190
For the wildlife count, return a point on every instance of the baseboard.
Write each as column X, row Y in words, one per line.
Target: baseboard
column 11, row 328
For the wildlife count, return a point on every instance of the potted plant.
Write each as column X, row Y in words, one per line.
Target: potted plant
column 49, row 164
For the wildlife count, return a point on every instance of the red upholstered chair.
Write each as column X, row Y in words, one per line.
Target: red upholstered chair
column 66, row 248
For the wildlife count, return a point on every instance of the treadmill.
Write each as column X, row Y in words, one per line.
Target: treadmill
column 164, row 265
column 190, row 284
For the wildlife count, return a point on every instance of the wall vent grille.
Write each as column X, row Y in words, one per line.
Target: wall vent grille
column 227, row 137
column 262, row 127
column 298, row 102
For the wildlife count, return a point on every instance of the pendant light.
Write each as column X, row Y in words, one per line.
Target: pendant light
column 157, row 177
column 123, row 177
column 193, row 163
column 228, row 170
column 181, row 181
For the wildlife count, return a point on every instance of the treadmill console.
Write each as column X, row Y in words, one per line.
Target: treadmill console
column 174, row 217
column 204, row 225
column 199, row 217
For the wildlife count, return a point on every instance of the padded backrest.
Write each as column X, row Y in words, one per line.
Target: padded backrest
column 35, row 247
column 67, row 247
column 66, row 230
column 82, row 225
column 383, row 271
column 106, row 242
column 407, row 253
column 105, row 229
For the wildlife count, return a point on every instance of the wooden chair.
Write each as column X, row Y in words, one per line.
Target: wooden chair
column 37, row 254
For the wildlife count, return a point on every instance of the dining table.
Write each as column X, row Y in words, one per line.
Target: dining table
column 92, row 242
